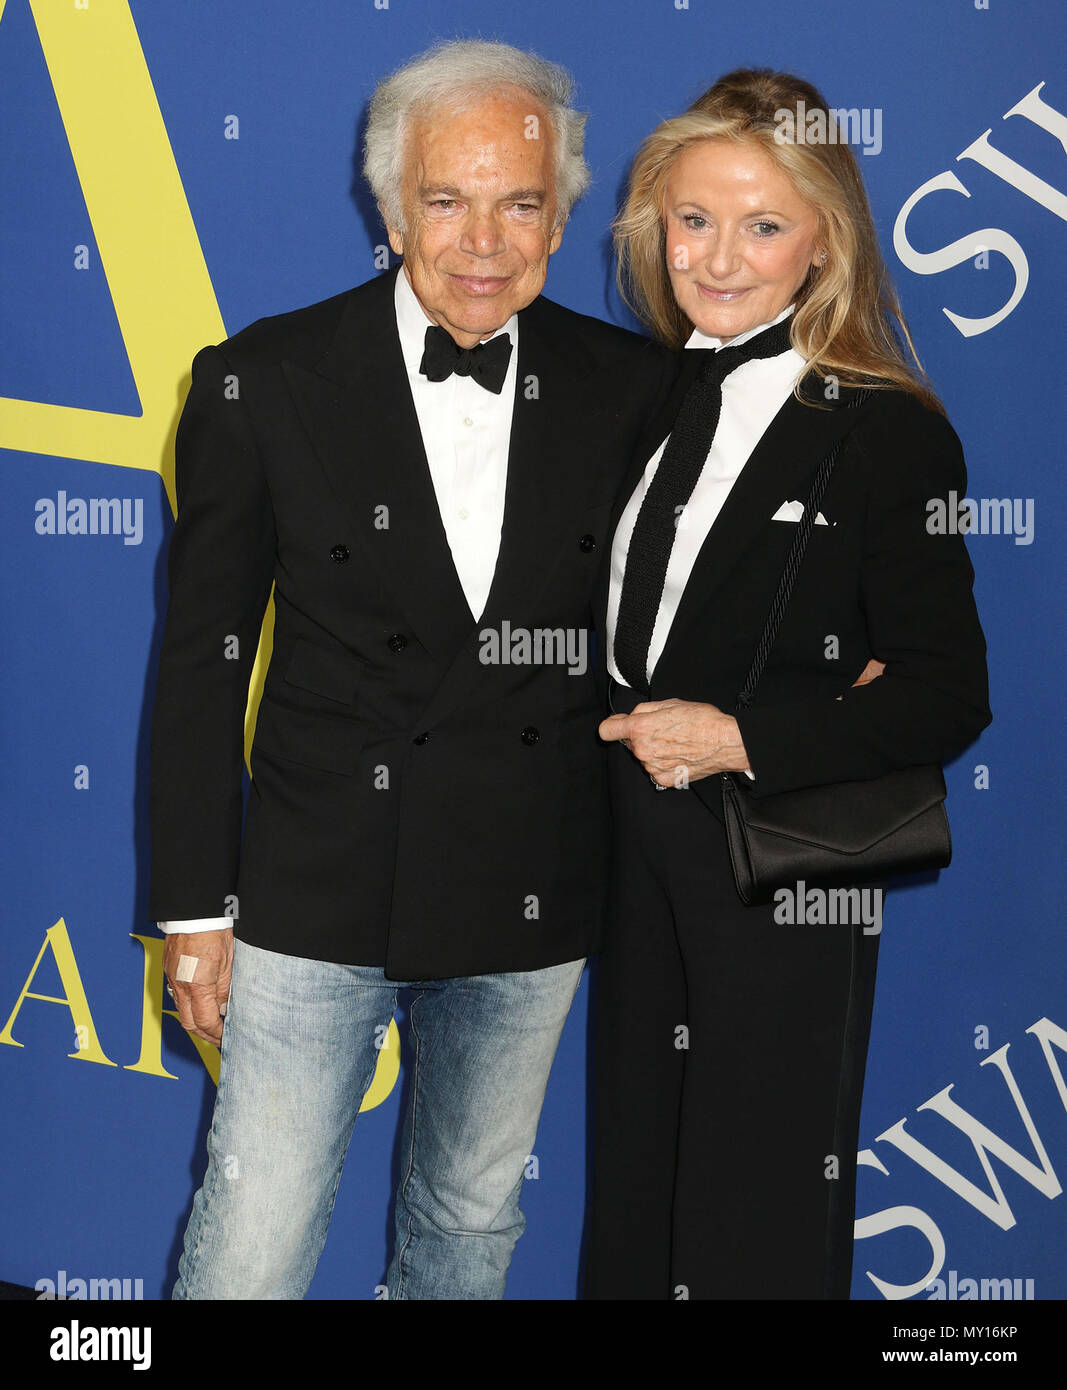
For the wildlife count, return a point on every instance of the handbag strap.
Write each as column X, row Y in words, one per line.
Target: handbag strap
column 792, row 564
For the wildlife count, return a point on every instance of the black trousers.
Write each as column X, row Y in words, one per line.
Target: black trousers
column 730, row 1052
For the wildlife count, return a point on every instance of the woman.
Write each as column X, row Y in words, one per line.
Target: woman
column 731, row 1045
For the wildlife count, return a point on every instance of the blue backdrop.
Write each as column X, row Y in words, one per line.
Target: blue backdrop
column 172, row 172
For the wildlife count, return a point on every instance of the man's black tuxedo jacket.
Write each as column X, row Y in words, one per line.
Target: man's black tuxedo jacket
column 874, row 582
column 410, row 807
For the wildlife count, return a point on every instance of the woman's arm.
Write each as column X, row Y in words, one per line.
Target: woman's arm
column 921, row 620
column 915, row 591
column 681, row 741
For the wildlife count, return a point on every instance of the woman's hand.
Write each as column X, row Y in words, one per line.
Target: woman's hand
column 870, row 672
column 679, row 741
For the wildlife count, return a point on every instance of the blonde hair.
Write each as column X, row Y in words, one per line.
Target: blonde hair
column 847, row 316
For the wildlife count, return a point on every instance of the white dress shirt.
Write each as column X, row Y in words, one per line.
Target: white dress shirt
column 466, row 432
column 752, row 395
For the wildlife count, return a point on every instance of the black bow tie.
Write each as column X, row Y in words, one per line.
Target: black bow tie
column 487, row 363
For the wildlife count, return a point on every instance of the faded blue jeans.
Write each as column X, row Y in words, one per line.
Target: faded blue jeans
column 298, row 1054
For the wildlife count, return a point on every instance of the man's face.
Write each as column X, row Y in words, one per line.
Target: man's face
column 480, row 213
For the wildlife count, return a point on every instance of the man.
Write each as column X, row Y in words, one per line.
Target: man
column 424, row 467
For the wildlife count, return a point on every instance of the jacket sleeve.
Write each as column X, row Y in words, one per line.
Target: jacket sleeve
column 220, row 568
column 916, row 594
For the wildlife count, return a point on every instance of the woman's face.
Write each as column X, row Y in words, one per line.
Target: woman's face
column 740, row 238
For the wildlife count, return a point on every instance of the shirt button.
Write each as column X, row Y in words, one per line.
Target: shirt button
column 530, row 736
column 339, row 553
column 463, row 513
column 421, row 738
column 397, row 642
column 468, row 421
column 586, row 544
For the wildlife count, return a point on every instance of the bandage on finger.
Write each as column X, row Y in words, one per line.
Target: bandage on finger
column 186, row 971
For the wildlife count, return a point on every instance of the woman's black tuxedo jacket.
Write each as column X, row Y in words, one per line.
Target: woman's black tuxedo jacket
column 875, row 581
column 411, row 807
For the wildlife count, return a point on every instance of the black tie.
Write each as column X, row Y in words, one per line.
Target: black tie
column 487, row 363
column 656, row 525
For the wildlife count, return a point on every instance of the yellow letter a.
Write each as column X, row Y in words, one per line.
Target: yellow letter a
column 74, row 998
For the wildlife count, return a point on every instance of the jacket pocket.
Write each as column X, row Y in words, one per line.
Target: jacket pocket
column 331, row 674
column 307, row 737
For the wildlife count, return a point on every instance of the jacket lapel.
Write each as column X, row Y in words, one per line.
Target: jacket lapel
column 548, row 426
column 356, row 407
column 553, row 420
column 782, row 466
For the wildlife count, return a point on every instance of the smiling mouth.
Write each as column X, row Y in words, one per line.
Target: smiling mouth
column 721, row 296
column 481, row 285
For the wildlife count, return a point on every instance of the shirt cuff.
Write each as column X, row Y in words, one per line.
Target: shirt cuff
column 196, row 924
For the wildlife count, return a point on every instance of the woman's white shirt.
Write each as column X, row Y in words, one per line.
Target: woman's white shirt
column 752, row 396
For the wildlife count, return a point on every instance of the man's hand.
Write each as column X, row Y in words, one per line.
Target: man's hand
column 679, row 741
column 198, row 966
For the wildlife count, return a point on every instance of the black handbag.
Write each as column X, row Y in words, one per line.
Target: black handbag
column 845, row 832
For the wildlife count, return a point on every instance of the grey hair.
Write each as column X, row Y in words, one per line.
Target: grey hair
column 449, row 75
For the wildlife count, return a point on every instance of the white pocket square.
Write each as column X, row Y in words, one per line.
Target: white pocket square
column 793, row 511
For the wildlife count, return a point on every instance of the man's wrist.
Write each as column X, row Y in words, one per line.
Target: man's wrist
column 196, row 924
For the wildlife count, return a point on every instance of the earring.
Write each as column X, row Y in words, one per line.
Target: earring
column 822, row 258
